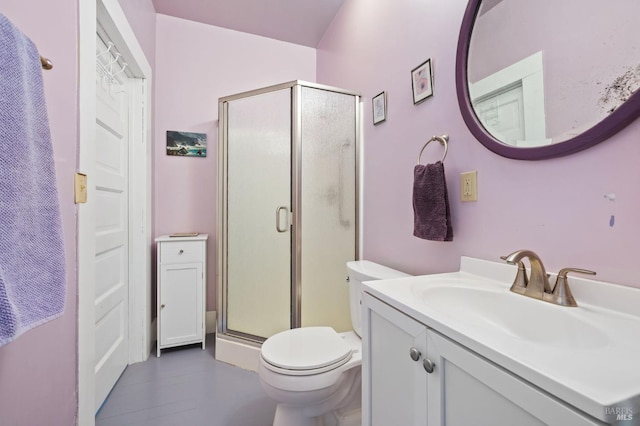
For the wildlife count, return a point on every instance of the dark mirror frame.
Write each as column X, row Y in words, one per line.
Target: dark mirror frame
column 610, row 125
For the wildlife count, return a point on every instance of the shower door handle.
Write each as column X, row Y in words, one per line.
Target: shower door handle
column 346, row 223
column 278, row 210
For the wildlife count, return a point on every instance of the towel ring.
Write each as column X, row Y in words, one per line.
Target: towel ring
column 443, row 141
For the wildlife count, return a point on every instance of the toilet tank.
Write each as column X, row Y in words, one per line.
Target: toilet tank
column 357, row 272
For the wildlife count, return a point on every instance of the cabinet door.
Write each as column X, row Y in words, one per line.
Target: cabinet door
column 394, row 385
column 181, row 316
column 474, row 391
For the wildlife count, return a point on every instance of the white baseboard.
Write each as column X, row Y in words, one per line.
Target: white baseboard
column 236, row 353
column 210, row 322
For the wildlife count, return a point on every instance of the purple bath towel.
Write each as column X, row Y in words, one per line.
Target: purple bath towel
column 432, row 217
column 32, row 276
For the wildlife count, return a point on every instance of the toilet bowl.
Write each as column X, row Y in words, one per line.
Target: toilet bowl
column 311, row 371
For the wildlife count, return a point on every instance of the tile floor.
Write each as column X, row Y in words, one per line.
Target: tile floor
column 186, row 387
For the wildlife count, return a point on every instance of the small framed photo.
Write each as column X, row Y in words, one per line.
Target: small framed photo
column 379, row 103
column 186, row 144
column 422, row 82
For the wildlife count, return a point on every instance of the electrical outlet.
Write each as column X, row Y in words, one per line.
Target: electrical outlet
column 469, row 186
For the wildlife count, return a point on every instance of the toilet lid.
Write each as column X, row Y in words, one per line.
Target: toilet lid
column 305, row 348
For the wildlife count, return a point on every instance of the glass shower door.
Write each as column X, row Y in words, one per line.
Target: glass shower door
column 258, row 214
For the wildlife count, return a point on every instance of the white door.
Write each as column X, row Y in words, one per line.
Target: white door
column 510, row 103
column 502, row 114
column 99, row 268
column 111, row 238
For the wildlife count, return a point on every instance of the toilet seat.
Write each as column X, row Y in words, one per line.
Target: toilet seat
column 305, row 351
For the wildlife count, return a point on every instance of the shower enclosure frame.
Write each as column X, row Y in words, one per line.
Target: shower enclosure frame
column 296, row 201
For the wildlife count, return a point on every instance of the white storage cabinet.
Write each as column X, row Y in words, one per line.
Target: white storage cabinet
column 181, row 293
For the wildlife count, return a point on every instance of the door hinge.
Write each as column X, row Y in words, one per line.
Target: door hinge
column 80, row 188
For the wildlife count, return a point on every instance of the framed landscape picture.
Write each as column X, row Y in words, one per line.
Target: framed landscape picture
column 186, row 144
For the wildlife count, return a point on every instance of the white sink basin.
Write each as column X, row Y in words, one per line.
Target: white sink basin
column 521, row 317
column 587, row 355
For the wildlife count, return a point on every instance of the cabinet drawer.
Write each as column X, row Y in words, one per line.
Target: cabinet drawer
column 181, row 252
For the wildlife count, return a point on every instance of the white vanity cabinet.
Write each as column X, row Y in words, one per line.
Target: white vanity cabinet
column 394, row 386
column 181, row 294
column 462, row 389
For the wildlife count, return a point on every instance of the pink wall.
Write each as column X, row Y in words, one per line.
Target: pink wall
column 142, row 17
column 197, row 64
column 38, row 370
column 555, row 207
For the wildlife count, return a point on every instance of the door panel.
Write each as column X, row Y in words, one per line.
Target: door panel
column 394, row 384
column 258, row 201
column 465, row 389
column 502, row 114
column 111, row 257
column 181, row 291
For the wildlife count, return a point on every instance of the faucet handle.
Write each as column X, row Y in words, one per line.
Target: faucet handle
column 506, row 259
column 564, row 271
column 561, row 292
column 521, row 280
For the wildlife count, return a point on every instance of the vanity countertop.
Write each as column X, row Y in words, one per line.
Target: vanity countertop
column 586, row 356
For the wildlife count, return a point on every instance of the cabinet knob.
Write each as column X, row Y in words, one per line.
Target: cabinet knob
column 181, row 251
column 162, row 306
column 428, row 365
column 414, row 354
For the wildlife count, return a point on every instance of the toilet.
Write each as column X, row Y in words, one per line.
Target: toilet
column 312, row 371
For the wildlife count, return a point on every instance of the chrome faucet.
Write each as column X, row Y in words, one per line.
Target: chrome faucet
column 537, row 285
column 521, row 280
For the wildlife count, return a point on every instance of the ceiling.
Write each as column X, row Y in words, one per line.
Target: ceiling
column 301, row 22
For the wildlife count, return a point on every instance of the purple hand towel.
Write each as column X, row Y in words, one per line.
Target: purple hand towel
column 432, row 217
column 32, row 276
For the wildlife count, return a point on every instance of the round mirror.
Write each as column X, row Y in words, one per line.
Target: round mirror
column 543, row 79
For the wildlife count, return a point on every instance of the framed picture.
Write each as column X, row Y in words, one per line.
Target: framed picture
column 379, row 108
column 186, row 144
column 422, row 81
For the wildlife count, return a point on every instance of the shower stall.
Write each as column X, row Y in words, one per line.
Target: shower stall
column 287, row 209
